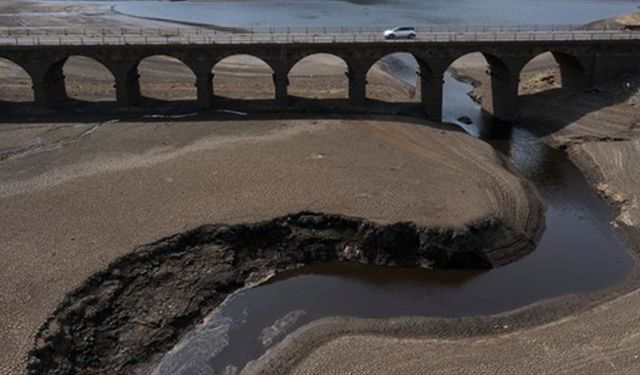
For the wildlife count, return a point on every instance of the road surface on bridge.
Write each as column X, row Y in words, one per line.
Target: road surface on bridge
column 26, row 37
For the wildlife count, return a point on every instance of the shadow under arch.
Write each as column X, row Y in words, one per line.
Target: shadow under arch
column 394, row 77
column 328, row 68
column 16, row 84
column 243, row 77
column 165, row 78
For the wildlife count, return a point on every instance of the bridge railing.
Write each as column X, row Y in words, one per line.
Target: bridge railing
column 232, row 38
column 207, row 30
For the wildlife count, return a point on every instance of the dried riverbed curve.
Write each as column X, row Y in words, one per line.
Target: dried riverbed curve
column 140, row 305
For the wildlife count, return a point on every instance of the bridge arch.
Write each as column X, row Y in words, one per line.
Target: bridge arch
column 86, row 79
column 330, row 68
column 552, row 70
column 166, row 78
column 492, row 74
column 394, row 77
column 243, row 76
column 16, row 85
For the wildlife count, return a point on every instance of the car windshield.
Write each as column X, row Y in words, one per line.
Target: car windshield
column 404, row 29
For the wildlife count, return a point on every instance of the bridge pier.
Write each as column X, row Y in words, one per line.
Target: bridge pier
column 128, row 91
column 357, row 85
column 431, row 94
column 49, row 91
column 573, row 79
column 204, row 86
column 127, row 83
column 48, row 83
column 503, row 103
column 281, row 84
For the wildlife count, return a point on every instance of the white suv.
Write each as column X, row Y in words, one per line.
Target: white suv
column 400, row 33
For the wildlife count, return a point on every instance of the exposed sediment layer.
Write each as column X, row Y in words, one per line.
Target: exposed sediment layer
column 143, row 302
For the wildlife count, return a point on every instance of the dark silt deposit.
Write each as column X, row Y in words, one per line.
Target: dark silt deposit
column 139, row 307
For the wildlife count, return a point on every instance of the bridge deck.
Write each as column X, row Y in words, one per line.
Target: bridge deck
column 199, row 37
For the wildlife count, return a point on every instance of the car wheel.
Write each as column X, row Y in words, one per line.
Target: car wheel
column 391, row 36
column 412, row 36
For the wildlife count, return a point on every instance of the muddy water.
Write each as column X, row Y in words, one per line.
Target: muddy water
column 578, row 253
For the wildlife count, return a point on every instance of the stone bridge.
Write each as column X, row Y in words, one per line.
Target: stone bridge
column 585, row 60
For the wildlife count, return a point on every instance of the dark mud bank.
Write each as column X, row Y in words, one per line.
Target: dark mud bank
column 142, row 303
